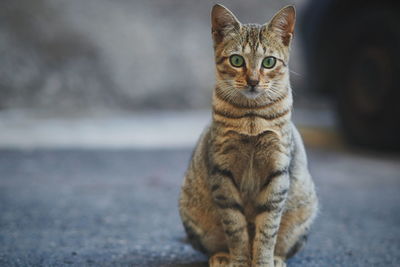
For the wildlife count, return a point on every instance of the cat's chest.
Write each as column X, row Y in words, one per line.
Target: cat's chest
column 251, row 158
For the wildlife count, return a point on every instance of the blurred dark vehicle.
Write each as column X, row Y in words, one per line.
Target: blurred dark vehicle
column 352, row 51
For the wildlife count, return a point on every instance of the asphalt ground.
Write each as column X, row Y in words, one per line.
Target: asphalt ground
column 113, row 207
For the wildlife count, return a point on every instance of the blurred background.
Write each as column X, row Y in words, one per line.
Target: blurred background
column 99, row 58
column 94, row 92
column 74, row 55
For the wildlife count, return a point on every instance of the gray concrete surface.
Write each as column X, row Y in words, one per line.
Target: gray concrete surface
column 119, row 208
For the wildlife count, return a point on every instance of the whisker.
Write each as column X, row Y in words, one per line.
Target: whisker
column 295, row 73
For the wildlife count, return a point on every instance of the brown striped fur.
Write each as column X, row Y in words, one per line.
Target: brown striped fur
column 248, row 198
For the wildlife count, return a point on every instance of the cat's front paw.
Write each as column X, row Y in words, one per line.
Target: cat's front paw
column 220, row 259
column 279, row 262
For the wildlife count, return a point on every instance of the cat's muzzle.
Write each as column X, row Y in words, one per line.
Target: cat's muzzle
column 251, row 92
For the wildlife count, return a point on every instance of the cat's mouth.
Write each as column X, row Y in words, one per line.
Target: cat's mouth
column 251, row 92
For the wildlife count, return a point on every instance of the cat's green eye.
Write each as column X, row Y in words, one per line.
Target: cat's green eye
column 236, row 61
column 269, row 62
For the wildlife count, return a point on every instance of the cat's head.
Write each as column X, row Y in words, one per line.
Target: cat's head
column 252, row 60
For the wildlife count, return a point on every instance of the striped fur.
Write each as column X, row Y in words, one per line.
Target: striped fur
column 248, row 198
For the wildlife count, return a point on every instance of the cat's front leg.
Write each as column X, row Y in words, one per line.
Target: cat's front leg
column 269, row 206
column 229, row 204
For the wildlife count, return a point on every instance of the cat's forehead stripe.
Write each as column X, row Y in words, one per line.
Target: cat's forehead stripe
column 253, row 40
column 252, row 32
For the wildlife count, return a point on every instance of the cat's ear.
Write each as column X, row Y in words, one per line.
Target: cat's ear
column 222, row 21
column 283, row 24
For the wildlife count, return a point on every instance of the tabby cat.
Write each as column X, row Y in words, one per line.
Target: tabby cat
column 248, row 198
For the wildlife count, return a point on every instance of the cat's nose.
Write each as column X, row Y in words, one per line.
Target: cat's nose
column 252, row 83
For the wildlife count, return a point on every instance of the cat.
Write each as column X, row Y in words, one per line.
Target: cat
column 248, row 198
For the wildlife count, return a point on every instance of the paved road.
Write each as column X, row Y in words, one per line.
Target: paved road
column 119, row 208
